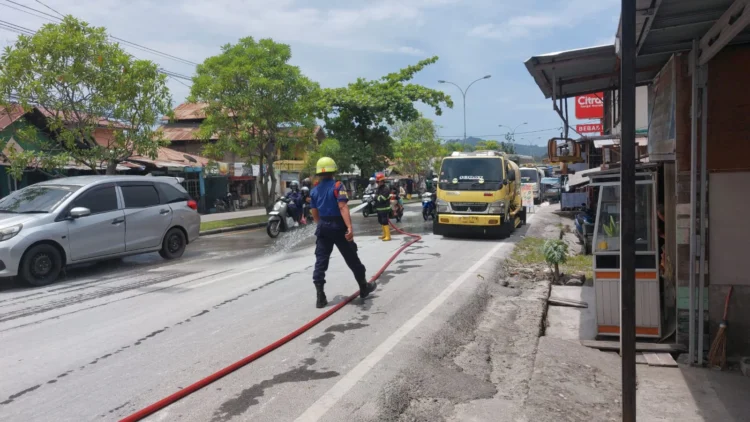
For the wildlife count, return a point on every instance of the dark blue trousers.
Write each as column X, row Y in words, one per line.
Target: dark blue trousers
column 330, row 234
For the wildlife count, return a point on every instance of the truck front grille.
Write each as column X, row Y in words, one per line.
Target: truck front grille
column 469, row 207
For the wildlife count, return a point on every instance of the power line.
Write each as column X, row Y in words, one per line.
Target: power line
column 26, row 31
column 38, row 1
column 179, row 81
column 53, row 18
column 503, row 134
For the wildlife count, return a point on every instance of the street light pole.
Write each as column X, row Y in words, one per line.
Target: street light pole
column 511, row 136
column 463, row 94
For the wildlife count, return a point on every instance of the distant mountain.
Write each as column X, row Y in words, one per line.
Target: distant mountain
column 533, row 150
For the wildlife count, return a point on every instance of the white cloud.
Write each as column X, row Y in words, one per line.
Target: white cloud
column 569, row 14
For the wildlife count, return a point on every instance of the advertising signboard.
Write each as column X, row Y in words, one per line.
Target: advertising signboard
column 527, row 194
column 590, row 128
column 590, row 106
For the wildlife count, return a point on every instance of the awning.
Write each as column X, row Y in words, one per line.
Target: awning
column 599, row 143
column 670, row 26
column 586, row 71
column 580, row 178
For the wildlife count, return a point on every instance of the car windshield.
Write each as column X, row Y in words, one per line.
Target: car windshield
column 554, row 181
column 471, row 174
column 36, row 199
column 529, row 176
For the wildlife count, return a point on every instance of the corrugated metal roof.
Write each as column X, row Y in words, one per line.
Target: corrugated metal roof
column 181, row 132
column 586, row 71
column 189, row 111
column 10, row 115
column 167, row 157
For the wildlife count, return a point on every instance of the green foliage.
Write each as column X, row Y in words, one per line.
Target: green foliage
column 555, row 253
column 256, row 102
column 457, row 146
column 417, row 149
column 359, row 114
column 81, row 83
column 330, row 147
column 506, row 147
column 611, row 229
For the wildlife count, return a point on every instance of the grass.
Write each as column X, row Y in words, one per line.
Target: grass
column 529, row 252
column 212, row 225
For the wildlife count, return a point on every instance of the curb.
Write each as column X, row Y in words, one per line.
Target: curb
column 232, row 229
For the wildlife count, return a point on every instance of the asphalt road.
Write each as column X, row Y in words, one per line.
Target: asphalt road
column 114, row 337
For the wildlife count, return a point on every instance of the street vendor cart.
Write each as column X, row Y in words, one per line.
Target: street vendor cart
column 606, row 250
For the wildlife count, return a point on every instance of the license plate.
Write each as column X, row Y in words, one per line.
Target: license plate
column 469, row 220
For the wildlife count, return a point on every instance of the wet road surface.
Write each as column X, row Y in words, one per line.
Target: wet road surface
column 114, row 337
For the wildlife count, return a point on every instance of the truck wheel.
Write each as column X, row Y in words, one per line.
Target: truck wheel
column 173, row 245
column 40, row 265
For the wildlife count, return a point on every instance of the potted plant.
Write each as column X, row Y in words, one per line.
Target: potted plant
column 612, row 230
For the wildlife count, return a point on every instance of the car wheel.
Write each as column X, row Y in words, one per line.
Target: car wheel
column 173, row 245
column 41, row 265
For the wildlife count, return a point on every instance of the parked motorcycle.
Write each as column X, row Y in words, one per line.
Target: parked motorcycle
column 584, row 222
column 369, row 209
column 428, row 206
column 220, row 205
column 279, row 219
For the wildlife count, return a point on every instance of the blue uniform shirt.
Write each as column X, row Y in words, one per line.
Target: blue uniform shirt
column 326, row 197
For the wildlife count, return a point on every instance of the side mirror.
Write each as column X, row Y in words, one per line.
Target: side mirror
column 79, row 212
column 505, row 182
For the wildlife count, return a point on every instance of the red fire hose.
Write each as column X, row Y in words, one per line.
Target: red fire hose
column 161, row 404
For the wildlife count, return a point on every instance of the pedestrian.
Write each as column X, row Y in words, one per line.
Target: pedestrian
column 383, row 207
column 328, row 203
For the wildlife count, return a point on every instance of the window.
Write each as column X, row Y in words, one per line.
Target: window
column 608, row 232
column 36, row 199
column 140, row 196
column 170, row 194
column 98, row 200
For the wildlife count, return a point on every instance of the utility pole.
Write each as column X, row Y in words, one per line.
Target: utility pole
column 627, row 209
column 463, row 94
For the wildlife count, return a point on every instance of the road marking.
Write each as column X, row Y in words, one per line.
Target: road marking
column 332, row 396
column 206, row 283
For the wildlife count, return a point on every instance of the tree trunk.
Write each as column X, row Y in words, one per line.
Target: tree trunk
column 557, row 272
column 111, row 168
column 272, row 175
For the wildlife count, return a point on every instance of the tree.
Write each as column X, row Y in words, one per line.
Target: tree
column 359, row 114
column 99, row 104
column 488, row 145
column 417, row 148
column 330, row 147
column 508, row 147
column 555, row 253
column 255, row 104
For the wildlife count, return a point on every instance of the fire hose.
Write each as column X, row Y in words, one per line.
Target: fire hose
column 178, row 395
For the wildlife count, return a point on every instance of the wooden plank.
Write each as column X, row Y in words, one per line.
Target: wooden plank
column 659, row 359
column 640, row 347
column 567, row 302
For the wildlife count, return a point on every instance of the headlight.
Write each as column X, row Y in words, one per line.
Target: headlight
column 9, row 232
column 277, row 206
column 443, row 206
column 497, row 207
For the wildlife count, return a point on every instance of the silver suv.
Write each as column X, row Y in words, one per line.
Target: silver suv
column 49, row 225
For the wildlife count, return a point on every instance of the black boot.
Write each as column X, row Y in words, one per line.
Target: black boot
column 322, row 300
column 365, row 288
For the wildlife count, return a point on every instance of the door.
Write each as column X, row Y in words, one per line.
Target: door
column 146, row 220
column 102, row 232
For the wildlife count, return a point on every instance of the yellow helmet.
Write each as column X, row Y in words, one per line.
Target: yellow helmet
column 326, row 165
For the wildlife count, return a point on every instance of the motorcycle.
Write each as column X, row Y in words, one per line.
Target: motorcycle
column 584, row 222
column 279, row 219
column 428, row 206
column 220, row 205
column 397, row 210
column 369, row 209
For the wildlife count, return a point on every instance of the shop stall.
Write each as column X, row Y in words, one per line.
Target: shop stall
column 607, row 253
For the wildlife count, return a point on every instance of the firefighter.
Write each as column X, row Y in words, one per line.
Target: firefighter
column 334, row 227
column 383, row 207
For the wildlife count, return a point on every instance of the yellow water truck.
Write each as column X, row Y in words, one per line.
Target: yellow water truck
column 479, row 193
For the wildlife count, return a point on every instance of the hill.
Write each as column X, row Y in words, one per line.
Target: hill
column 522, row 149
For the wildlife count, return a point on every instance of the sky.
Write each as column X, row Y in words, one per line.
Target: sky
column 336, row 41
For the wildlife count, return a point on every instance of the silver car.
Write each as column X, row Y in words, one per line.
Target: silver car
column 49, row 225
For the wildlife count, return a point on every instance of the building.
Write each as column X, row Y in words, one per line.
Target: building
column 240, row 178
column 692, row 59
